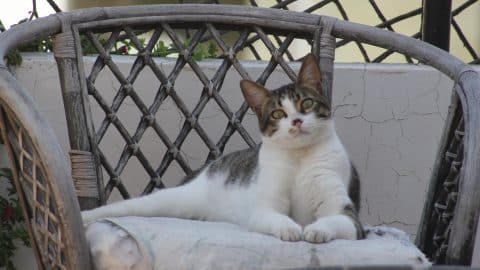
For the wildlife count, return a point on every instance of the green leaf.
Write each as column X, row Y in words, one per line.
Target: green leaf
column 6, row 172
column 18, row 212
column 11, row 228
column 13, row 58
column 187, row 42
column 199, row 53
column 10, row 265
column 87, row 46
column 212, row 50
column 162, row 50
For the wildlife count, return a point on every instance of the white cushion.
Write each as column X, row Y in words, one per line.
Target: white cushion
column 169, row 243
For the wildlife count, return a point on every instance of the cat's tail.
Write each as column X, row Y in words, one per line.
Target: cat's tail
column 187, row 201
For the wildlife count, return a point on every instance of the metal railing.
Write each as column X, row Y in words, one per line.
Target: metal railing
column 436, row 20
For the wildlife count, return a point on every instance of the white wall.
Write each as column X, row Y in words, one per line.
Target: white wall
column 389, row 116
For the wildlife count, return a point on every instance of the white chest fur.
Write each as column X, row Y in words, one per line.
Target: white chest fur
column 323, row 171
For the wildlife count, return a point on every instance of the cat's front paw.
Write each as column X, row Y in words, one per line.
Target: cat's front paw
column 287, row 231
column 319, row 232
column 276, row 224
column 328, row 228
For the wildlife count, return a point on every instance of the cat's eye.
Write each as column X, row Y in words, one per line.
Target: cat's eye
column 307, row 103
column 278, row 114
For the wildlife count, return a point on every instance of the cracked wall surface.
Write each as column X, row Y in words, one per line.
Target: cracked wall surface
column 389, row 116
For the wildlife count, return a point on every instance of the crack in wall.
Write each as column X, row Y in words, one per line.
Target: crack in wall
column 437, row 95
column 367, row 157
column 368, row 205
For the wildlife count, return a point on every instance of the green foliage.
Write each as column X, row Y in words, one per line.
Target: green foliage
column 14, row 58
column 201, row 51
column 163, row 50
column 87, row 46
column 12, row 227
column 41, row 45
column 123, row 46
column 212, row 50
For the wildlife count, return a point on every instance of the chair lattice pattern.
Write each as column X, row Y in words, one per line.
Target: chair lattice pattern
column 444, row 207
column 37, row 195
column 210, row 88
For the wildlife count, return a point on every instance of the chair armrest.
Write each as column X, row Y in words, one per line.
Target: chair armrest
column 465, row 221
column 43, row 180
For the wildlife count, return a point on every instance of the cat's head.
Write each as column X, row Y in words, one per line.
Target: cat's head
column 293, row 115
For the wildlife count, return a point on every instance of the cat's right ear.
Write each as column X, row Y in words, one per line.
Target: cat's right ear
column 310, row 75
column 254, row 94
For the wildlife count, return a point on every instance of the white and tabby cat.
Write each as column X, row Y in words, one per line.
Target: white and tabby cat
column 293, row 186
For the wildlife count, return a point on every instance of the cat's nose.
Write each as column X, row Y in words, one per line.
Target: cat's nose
column 297, row 122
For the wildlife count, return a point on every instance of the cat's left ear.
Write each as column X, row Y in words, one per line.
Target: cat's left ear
column 310, row 75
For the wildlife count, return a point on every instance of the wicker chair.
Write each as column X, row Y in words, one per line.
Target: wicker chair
column 49, row 184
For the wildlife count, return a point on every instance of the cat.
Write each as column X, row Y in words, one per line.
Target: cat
column 298, row 184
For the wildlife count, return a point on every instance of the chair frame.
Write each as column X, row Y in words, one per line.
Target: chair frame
column 37, row 159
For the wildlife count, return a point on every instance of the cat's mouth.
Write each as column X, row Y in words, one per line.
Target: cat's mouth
column 297, row 131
